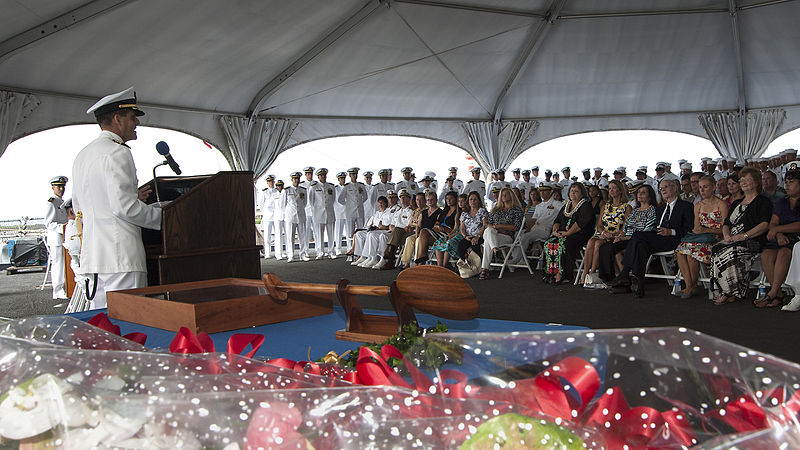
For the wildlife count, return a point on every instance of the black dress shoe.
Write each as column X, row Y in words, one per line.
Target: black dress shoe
column 620, row 281
column 639, row 291
column 624, row 289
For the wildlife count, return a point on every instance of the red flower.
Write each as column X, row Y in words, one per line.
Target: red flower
column 275, row 426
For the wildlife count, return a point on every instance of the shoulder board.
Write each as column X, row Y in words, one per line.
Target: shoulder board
column 51, row 199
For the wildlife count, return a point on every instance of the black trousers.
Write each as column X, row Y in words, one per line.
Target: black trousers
column 464, row 244
column 643, row 244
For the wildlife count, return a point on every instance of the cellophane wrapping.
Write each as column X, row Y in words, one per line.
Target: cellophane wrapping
column 637, row 388
column 66, row 384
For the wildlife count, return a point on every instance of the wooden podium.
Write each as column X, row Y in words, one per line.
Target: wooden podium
column 207, row 229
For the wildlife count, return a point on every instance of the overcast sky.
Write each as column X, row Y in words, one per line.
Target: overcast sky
column 29, row 163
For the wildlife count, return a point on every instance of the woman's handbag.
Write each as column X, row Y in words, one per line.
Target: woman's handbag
column 469, row 265
column 700, row 238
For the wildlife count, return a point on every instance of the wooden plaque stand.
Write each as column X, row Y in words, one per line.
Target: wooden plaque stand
column 213, row 305
column 431, row 289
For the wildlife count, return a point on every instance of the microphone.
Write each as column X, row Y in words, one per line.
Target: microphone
column 163, row 149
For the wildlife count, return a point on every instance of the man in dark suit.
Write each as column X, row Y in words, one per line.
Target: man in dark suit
column 674, row 218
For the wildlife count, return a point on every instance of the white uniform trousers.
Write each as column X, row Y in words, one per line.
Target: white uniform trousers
column 340, row 230
column 78, row 302
column 537, row 233
column 319, row 239
column 267, row 228
column 375, row 243
column 350, row 227
column 492, row 239
column 57, row 271
column 360, row 243
column 304, row 250
column 107, row 282
column 302, row 236
column 279, row 229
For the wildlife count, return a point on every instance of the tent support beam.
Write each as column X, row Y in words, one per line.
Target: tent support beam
column 62, row 22
column 737, row 49
column 329, row 39
column 476, row 8
column 532, row 44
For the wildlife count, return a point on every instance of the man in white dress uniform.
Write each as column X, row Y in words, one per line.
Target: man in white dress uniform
column 54, row 219
column 321, row 196
column 294, row 201
column 111, row 207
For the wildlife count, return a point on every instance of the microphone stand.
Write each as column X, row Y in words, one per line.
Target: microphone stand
column 155, row 179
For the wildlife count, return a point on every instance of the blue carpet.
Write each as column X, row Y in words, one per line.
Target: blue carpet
column 293, row 339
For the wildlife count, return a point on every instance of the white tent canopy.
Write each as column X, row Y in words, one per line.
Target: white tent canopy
column 409, row 67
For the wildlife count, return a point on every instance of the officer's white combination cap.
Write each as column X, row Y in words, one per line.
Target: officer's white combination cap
column 114, row 102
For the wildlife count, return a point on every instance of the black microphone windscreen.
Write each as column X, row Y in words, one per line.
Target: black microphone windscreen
column 162, row 148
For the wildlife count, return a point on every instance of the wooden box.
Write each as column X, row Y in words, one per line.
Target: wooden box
column 213, row 305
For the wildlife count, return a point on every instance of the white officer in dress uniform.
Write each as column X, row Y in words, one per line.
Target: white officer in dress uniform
column 54, row 219
column 267, row 207
column 496, row 186
column 369, row 208
column 338, row 210
column 407, row 183
column 308, row 173
column 457, row 184
column 535, row 180
column 448, row 186
column 517, row 172
column 566, row 181
column 587, row 177
column 72, row 244
column 294, row 199
column 598, row 174
column 111, row 207
column 278, row 225
column 524, row 184
column 540, row 226
column 434, row 184
column 322, row 197
column 352, row 198
column 381, row 189
column 475, row 184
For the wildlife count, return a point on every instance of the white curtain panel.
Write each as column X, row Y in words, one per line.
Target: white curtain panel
column 742, row 139
column 14, row 108
column 496, row 146
column 254, row 144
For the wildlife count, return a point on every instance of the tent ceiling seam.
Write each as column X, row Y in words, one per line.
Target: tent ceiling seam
column 387, row 69
column 532, row 44
column 439, row 59
column 330, row 38
column 86, row 11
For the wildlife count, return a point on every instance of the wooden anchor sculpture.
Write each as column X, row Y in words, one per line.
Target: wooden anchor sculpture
column 430, row 289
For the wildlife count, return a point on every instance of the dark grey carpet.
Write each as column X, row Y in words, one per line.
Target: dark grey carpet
column 518, row 296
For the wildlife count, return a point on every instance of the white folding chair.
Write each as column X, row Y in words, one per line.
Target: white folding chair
column 665, row 258
column 46, row 271
column 506, row 252
column 579, row 263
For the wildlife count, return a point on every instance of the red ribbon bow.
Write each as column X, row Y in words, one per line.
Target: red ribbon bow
column 101, row 321
column 185, row 341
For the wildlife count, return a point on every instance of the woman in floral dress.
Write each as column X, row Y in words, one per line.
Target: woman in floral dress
column 572, row 228
column 609, row 225
column 695, row 247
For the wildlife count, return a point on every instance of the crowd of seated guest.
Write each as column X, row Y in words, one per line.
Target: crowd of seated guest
column 724, row 221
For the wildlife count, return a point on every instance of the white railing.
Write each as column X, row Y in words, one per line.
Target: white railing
column 22, row 227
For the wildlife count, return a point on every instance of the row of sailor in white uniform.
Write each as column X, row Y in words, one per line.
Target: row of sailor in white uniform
column 328, row 212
